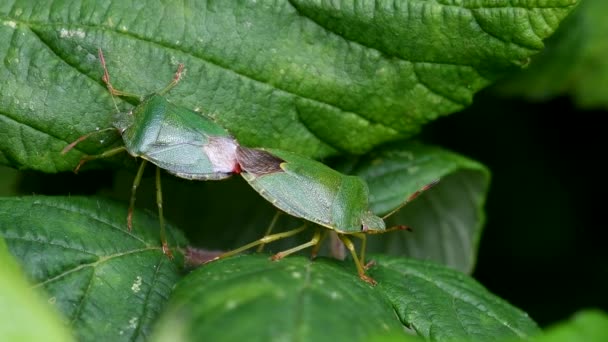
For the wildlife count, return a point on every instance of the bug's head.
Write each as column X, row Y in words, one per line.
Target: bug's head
column 371, row 223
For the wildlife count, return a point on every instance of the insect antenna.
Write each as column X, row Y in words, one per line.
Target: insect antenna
column 412, row 197
column 82, row 138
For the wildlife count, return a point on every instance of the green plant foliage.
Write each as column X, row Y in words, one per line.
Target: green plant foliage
column 311, row 77
column 588, row 326
column 24, row 316
column 108, row 283
column 299, row 299
column 574, row 62
column 442, row 304
column 347, row 79
column 447, row 220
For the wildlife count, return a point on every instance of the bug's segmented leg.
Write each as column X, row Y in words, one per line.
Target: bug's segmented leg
column 176, row 78
column 360, row 269
column 264, row 240
column 316, row 239
column 136, row 181
column 161, row 218
column 315, row 248
column 275, row 218
column 106, row 79
column 363, row 238
column 105, row 154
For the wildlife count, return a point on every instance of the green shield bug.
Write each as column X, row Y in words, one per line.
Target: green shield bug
column 178, row 140
column 312, row 191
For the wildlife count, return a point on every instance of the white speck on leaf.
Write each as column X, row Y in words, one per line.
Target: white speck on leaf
column 413, row 169
column 10, row 23
column 231, row 304
column 136, row 287
column 296, row 275
column 335, row 295
column 65, row 33
column 133, row 323
column 18, row 11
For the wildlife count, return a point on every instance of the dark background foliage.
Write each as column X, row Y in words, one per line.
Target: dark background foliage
column 543, row 248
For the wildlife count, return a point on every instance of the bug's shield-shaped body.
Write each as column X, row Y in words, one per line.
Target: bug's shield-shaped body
column 179, row 140
column 310, row 190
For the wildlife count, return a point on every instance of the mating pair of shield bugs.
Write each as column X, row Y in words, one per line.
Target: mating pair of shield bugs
column 190, row 145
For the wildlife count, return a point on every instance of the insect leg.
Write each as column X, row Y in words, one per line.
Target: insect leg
column 363, row 238
column 275, row 218
column 136, row 181
column 176, row 78
column 351, row 247
column 265, row 239
column 315, row 249
column 105, row 154
column 106, row 80
column 316, row 239
column 161, row 219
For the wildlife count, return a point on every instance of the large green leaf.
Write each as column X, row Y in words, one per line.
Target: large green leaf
column 295, row 299
column 442, row 304
column 108, row 283
column 575, row 61
column 447, row 220
column 24, row 316
column 314, row 77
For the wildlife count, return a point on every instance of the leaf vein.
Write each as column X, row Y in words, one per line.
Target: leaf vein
column 443, row 286
column 93, row 264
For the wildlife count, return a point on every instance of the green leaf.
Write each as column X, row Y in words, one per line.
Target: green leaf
column 442, row 304
column 312, row 77
column 295, row 299
column 23, row 309
column 574, row 62
column 108, row 283
column 447, row 220
column 588, row 326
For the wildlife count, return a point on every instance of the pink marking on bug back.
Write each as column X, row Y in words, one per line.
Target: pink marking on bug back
column 222, row 154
